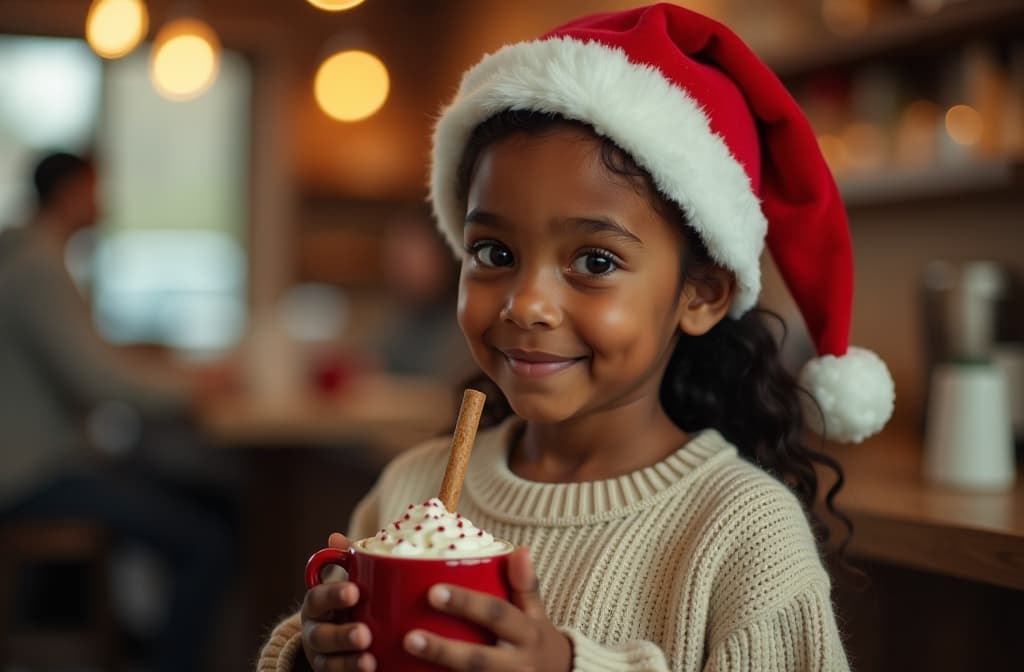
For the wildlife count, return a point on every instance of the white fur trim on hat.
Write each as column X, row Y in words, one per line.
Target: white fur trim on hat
column 855, row 392
column 661, row 126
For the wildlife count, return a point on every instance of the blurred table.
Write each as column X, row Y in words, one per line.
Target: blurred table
column 385, row 412
column 901, row 519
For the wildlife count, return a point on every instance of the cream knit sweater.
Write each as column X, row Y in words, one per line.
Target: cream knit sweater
column 700, row 562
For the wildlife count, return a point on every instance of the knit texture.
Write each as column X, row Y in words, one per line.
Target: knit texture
column 700, row 562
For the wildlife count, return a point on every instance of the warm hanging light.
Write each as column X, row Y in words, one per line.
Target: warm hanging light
column 185, row 59
column 351, row 85
column 114, row 27
column 334, row 5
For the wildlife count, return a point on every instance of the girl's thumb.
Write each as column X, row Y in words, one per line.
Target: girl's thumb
column 523, row 581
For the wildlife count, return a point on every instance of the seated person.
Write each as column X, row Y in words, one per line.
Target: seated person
column 58, row 374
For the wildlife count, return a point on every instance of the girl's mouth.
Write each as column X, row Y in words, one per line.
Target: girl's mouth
column 536, row 364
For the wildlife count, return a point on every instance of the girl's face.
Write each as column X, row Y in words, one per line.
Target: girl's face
column 569, row 294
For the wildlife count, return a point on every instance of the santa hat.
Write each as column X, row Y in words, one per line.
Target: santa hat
column 722, row 138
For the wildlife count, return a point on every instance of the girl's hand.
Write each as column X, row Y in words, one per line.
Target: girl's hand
column 528, row 640
column 331, row 646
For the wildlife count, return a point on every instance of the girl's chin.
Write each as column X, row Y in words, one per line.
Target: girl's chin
column 535, row 408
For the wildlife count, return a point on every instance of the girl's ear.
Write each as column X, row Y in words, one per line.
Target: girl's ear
column 704, row 301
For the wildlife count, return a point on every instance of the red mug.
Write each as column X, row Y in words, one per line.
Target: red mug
column 393, row 597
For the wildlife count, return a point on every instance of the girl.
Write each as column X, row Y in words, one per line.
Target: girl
column 610, row 187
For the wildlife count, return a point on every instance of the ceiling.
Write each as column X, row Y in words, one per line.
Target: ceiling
column 426, row 45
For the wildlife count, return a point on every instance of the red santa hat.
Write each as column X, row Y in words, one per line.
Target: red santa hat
column 722, row 138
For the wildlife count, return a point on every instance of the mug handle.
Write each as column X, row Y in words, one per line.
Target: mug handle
column 322, row 558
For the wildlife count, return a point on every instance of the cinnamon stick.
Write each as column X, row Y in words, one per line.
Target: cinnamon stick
column 462, row 445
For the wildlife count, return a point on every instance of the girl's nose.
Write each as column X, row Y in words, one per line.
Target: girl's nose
column 532, row 303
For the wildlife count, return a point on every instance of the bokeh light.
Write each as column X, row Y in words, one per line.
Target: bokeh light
column 865, row 145
column 964, row 124
column 185, row 59
column 917, row 133
column 834, row 151
column 115, row 27
column 334, row 5
column 351, row 85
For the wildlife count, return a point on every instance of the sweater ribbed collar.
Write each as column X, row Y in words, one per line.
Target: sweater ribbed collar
column 497, row 491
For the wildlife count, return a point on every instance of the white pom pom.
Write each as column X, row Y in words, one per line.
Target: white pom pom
column 855, row 392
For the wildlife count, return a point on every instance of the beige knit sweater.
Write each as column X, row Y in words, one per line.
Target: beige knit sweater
column 700, row 562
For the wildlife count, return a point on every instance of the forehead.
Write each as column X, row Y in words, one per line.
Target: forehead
column 560, row 167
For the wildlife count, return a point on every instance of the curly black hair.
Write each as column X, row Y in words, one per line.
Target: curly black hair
column 731, row 378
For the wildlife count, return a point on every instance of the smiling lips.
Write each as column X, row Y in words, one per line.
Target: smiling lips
column 534, row 364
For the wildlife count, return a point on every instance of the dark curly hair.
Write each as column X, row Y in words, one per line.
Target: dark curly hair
column 731, row 378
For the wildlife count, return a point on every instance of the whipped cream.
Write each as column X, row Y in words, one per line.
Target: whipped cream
column 428, row 530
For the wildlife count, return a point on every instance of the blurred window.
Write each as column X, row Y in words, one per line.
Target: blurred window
column 51, row 99
column 170, row 266
column 172, row 262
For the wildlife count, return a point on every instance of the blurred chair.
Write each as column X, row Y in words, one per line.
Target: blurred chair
column 87, row 642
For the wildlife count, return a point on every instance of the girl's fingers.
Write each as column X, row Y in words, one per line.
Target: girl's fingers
column 500, row 617
column 361, row 663
column 338, row 540
column 320, row 601
column 331, row 638
column 457, row 655
column 366, row 663
column 524, row 584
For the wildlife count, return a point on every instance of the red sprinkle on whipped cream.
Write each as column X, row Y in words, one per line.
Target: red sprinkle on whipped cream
column 440, row 534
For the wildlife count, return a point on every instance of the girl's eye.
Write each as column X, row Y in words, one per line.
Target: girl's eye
column 594, row 263
column 491, row 254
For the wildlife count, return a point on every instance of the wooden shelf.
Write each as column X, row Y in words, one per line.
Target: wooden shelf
column 902, row 520
column 901, row 35
column 889, row 187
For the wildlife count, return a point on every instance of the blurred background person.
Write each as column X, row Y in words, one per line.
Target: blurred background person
column 88, row 433
column 421, row 276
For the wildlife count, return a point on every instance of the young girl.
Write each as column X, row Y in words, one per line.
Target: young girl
column 610, row 187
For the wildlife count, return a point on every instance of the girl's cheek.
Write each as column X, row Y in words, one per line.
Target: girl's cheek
column 615, row 317
column 614, row 320
column 473, row 313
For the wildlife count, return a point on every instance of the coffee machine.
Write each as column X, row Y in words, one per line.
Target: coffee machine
column 973, row 367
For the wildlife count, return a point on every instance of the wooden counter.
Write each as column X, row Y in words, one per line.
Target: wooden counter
column 387, row 413
column 900, row 519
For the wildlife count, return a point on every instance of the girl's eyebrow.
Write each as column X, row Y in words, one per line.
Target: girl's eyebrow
column 478, row 216
column 601, row 225
column 604, row 225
